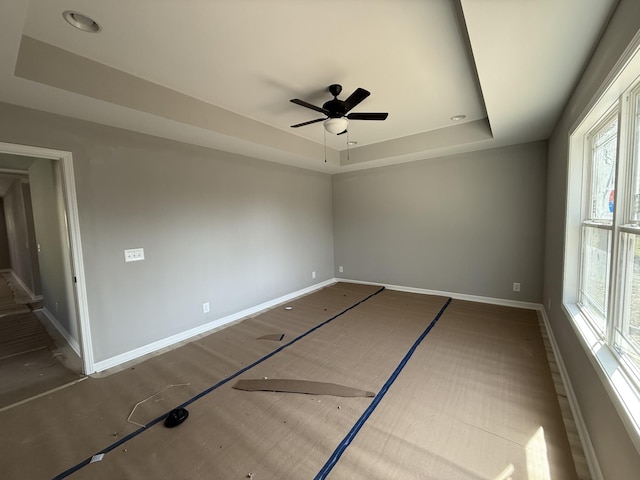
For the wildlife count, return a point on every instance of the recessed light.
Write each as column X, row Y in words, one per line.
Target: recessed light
column 81, row 22
column 457, row 118
column 352, row 143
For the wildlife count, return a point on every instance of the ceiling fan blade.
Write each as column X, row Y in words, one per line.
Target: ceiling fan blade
column 302, row 103
column 367, row 116
column 308, row 123
column 355, row 98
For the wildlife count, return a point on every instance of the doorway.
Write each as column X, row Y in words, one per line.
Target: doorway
column 75, row 329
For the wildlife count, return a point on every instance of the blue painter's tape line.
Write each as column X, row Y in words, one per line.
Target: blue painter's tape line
column 346, row 441
column 153, row 422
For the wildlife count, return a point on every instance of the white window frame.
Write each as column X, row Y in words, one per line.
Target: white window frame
column 601, row 224
column 622, row 385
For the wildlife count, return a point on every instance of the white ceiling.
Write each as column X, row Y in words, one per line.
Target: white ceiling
column 220, row 73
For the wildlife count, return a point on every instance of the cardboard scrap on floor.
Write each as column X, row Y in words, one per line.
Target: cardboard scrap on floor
column 300, row 386
column 272, row 336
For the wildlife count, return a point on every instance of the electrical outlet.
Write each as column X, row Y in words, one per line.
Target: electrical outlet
column 341, row 269
column 134, row 255
column 313, row 274
column 205, row 307
column 516, row 287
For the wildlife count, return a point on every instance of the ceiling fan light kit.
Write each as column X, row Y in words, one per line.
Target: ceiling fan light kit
column 336, row 111
column 336, row 125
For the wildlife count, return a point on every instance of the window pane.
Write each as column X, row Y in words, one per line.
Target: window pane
column 604, row 146
column 628, row 329
column 594, row 283
column 635, row 206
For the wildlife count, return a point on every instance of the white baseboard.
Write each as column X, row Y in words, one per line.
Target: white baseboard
column 73, row 343
column 583, row 433
column 458, row 296
column 220, row 322
column 19, row 281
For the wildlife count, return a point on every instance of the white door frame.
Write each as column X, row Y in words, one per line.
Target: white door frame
column 73, row 225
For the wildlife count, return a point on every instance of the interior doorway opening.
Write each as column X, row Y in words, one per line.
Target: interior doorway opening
column 57, row 240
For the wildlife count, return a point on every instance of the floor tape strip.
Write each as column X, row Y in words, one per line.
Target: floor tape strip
column 153, row 422
column 346, row 441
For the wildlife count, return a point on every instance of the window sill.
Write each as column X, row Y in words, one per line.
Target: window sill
column 621, row 389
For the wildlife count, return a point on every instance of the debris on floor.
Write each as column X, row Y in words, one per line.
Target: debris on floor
column 97, row 458
column 176, row 417
column 141, row 402
column 301, row 386
column 272, row 336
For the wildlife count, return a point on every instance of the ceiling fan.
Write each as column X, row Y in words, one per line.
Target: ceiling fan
column 337, row 111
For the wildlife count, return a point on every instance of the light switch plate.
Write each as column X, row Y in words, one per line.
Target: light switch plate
column 134, row 255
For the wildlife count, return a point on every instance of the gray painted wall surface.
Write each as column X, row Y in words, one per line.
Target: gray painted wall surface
column 470, row 223
column 32, row 250
column 5, row 260
column 54, row 259
column 16, row 232
column 216, row 227
column 20, row 235
column 616, row 454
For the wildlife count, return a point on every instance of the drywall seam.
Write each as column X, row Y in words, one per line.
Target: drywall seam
column 207, row 327
column 583, row 433
column 458, row 296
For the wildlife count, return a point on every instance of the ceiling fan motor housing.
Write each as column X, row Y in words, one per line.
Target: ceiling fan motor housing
column 335, row 89
column 336, row 108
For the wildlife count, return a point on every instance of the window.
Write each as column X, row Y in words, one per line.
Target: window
column 596, row 245
column 600, row 233
column 609, row 284
column 602, row 255
column 626, row 330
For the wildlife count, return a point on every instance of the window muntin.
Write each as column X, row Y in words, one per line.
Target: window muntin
column 609, row 276
column 627, row 329
column 594, row 284
column 604, row 144
column 635, row 206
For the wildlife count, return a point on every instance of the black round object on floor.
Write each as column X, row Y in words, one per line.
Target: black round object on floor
column 176, row 417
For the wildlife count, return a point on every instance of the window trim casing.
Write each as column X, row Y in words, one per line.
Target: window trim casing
column 621, row 388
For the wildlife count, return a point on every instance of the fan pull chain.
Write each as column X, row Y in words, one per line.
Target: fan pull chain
column 348, row 145
column 325, row 145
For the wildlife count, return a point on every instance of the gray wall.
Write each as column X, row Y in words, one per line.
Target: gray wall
column 53, row 255
column 471, row 223
column 21, row 236
column 32, row 250
column 5, row 260
column 616, row 454
column 216, row 227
